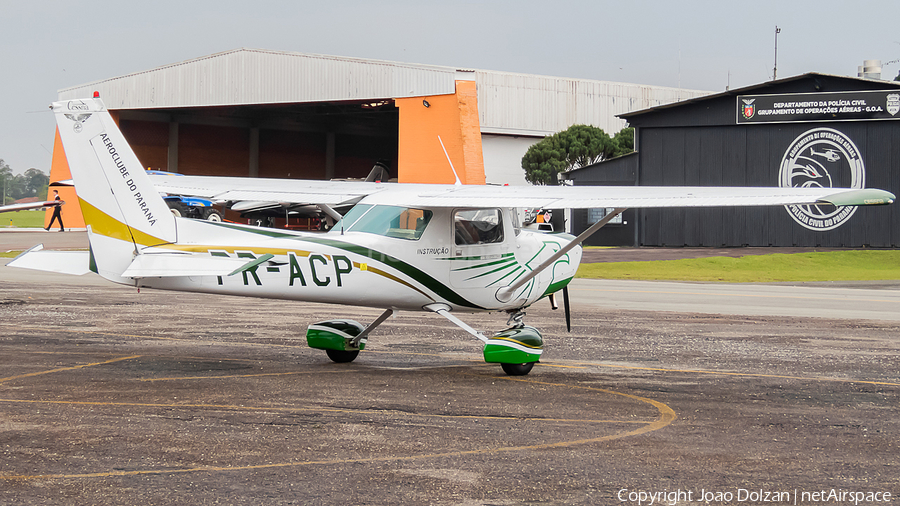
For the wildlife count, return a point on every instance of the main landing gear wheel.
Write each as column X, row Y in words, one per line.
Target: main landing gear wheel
column 517, row 369
column 342, row 357
column 210, row 214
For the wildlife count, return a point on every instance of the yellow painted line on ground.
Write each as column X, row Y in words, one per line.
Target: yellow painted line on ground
column 72, row 368
column 542, row 364
column 744, row 374
column 256, row 375
column 318, row 409
column 160, row 338
column 666, row 417
column 398, row 352
column 727, row 294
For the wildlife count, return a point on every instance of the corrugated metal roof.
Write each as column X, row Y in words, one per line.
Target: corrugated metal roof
column 508, row 103
column 757, row 89
column 252, row 76
column 525, row 104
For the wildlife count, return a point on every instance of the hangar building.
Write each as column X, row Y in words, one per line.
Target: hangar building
column 260, row 113
column 808, row 130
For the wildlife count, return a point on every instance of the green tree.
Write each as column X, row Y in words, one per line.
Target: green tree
column 32, row 183
column 6, row 181
column 544, row 160
column 577, row 146
column 624, row 142
column 36, row 183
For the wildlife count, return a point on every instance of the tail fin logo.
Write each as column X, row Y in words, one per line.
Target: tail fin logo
column 77, row 105
column 78, row 119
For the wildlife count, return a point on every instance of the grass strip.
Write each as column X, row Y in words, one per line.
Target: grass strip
column 822, row 266
column 24, row 219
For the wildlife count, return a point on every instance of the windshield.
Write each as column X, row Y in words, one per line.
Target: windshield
column 351, row 216
column 389, row 221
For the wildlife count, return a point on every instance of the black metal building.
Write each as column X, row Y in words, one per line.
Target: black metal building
column 808, row 130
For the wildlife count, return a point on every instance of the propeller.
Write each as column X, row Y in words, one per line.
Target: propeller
column 555, row 306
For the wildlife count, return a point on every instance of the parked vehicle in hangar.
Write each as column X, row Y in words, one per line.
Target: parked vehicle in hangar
column 188, row 207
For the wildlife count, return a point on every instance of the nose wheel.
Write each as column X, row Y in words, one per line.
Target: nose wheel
column 342, row 356
column 517, row 369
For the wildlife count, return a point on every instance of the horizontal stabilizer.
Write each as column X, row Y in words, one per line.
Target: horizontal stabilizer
column 166, row 265
column 63, row 262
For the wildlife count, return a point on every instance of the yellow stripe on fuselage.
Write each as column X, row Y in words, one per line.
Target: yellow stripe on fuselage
column 105, row 225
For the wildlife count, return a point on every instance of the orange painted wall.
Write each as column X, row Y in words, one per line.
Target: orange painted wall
column 59, row 171
column 453, row 118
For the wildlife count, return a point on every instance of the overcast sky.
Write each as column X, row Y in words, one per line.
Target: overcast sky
column 703, row 45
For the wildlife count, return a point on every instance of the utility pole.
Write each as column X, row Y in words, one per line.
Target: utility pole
column 775, row 70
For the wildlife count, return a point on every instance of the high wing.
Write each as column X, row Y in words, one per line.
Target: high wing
column 30, row 205
column 294, row 191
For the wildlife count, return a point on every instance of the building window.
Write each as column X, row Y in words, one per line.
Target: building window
column 598, row 213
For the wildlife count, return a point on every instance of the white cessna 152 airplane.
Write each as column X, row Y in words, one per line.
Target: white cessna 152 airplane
column 446, row 249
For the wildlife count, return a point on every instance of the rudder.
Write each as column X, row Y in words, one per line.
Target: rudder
column 116, row 196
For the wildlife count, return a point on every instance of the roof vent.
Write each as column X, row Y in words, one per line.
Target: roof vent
column 870, row 69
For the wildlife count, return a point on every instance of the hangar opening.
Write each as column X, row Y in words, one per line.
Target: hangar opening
column 298, row 141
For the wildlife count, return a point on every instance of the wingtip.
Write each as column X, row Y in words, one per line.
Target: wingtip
column 863, row 197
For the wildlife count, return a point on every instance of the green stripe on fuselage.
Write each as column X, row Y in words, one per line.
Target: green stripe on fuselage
column 426, row 280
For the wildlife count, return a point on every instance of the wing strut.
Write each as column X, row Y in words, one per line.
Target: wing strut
column 378, row 321
column 444, row 310
column 505, row 294
column 336, row 216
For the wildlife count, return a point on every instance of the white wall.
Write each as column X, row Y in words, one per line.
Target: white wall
column 503, row 158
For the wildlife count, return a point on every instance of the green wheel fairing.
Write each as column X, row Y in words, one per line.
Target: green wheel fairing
column 421, row 277
column 334, row 335
column 514, row 346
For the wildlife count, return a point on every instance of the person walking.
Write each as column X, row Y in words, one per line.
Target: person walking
column 57, row 213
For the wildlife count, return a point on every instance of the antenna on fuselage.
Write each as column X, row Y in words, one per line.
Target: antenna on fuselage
column 449, row 161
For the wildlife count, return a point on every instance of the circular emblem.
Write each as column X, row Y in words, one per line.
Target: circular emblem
column 822, row 158
column 78, row 127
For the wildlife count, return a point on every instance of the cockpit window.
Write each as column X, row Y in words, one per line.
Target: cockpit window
column 392, row 221
column 478, row 226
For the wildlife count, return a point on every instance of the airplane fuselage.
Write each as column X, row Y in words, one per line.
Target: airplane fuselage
column 382, row 265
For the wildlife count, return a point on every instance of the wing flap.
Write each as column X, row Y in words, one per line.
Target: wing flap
column 287, row 191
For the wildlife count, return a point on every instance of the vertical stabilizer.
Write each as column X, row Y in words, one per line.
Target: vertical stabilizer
column 116, row 196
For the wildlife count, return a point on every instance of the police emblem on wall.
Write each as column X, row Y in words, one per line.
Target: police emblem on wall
column 892, row 103
column 822, row 158
column 748, row 110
